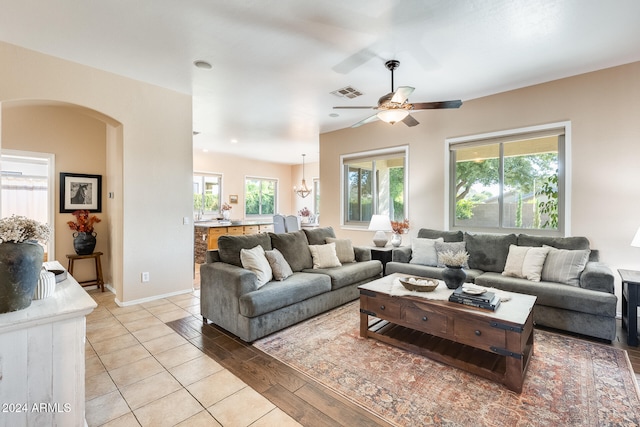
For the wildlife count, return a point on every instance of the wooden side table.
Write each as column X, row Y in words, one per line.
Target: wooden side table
column 98, row 281
column 382, row 254
column 630, row 285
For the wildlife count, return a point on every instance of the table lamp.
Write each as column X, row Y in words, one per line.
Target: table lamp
column 636, row 239
column 381, row 224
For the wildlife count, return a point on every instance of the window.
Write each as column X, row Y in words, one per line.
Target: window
column 511, row 181
column 374, row 183
column 260, row 196
column 207, row 193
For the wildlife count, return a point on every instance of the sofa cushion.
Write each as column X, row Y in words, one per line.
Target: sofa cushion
column 556, row 242
column 448, row 236
column 318, row 236
column 295, row 248
column 348, row 274
column 229, row 246
column 255, row 260
column 565, row 266
column 324, row 256
column 423, row 251
column 275, row 295
column 279, row 266
column 488, row 252
column 344, row 249
column 454, row 247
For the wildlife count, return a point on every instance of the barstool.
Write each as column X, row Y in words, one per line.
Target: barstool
column 99, row 282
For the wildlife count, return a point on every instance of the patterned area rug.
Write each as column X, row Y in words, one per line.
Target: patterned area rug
column 570, row 382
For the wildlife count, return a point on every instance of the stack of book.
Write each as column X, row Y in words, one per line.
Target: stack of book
column 488, row 300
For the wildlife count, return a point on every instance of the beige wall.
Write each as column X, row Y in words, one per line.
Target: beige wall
column 79, row 144
column 234, row 169
column 603, row 109
column 148, row 162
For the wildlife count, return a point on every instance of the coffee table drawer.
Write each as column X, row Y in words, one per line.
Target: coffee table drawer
column 426, row 321
column 384, row 308
column 479, row 334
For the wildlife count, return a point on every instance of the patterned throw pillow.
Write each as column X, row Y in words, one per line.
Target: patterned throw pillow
column 255, row 260
column 279, row 266
column 564, row 266
column 450, row 246
column 324, row 256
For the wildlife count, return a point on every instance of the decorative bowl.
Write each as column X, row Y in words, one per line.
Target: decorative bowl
column 60, row 275
column 419, row 284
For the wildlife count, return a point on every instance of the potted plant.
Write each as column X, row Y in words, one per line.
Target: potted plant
column 21, row 258
column 305, row 215
column 399, row 228
column 84, row 238
column 453, row 273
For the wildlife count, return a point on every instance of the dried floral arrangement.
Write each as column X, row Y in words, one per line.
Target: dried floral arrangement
column 226, row 207
column 84, row 221
column 400, row 227
column 304, row 212
column 18, row 229
column 453, row 259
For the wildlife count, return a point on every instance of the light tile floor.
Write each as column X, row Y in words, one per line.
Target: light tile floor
column 139, row 372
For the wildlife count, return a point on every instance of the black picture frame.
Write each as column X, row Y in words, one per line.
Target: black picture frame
column 80, row 191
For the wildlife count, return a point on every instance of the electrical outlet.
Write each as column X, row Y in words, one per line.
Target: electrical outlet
column 145, row 276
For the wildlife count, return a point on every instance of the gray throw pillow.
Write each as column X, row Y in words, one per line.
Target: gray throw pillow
column 229, row 247
column 279, row 266
column 295, row 248
column 318, row 236
column 488, row 252
column 449, row 246
column 344, row 249
column 564, row 266
column 423, row 251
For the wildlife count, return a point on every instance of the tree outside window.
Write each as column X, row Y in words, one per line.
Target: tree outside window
column 508, row 184
column 207, row 193
column 260, row 196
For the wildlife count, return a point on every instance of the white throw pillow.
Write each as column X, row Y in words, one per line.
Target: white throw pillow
column 324, row 256
column 515, row 260
column 423, row 251
column 344, row 249
column 564, row 266
column 255, row 260
column 533, row 263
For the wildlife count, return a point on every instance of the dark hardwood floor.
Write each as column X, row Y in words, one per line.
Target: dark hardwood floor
column 305, row 400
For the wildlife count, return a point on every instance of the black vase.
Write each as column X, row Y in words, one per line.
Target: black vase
column 453, row 276
column 84, row 243
column 20, row 265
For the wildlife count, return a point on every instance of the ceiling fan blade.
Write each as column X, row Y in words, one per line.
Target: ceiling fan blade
column 410, row 121
column 436, row 105
column 354, row 108
column 365, row 121
column 402, row 93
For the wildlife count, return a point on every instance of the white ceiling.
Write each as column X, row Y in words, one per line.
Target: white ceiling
column 275, row 62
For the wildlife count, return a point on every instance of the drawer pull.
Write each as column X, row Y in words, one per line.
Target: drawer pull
column 478, row 333
column 424, row 318
column 382, row 307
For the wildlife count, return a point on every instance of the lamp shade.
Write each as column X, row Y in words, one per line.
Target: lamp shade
column 380, row 223
column 636, row 239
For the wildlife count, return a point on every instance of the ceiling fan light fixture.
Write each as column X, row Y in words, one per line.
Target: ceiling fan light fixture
column 303, row 191
column 392, row 116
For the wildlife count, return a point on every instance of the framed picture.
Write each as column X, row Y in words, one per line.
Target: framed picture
column 80, row 191
column 233, row 198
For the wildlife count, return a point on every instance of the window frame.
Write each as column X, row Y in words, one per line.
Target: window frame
column 390, row 152
column 276, row 182
column 203, row 175
column 564, row 178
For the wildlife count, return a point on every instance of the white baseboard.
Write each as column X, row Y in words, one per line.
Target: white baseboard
column 153, row 298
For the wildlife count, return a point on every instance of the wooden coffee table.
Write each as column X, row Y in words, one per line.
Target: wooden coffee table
column 497, row 345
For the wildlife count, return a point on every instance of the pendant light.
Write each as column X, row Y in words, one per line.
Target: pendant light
column 303, row 191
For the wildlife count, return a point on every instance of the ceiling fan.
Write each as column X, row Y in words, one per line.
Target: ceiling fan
column 393, row 107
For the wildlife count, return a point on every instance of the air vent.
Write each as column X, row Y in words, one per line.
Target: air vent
column 347, row 92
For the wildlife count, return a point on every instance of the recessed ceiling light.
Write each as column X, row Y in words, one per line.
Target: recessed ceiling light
column 202, row 64
column 234, row 141
column 204, row 150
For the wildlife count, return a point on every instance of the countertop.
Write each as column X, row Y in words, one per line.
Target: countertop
column 232, row 223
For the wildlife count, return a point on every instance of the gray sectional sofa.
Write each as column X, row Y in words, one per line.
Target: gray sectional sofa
column 584, row 304
column 233, row 298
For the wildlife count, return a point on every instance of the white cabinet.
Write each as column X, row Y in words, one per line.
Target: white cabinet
column 42, row 361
